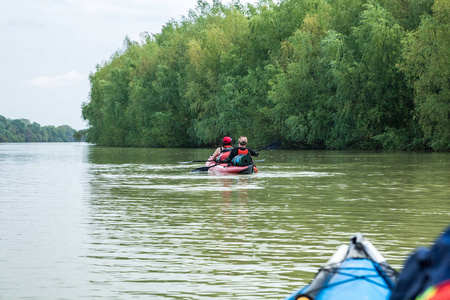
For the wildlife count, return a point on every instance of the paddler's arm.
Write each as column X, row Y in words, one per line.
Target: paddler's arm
column 252, row 152
column 216, row 153
column 233, row 153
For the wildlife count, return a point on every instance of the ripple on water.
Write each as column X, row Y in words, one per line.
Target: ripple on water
column 128, row 224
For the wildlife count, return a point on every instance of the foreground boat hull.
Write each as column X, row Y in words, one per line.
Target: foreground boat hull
column 357, row 271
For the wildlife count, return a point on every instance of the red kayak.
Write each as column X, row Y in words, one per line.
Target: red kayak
column 213, row 167
column 240, row 163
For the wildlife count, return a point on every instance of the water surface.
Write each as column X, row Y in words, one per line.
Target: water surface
column 79, row 221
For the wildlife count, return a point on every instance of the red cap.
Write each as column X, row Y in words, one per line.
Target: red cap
column 227, row 140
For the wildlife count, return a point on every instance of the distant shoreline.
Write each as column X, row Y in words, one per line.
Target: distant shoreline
column 23, row 131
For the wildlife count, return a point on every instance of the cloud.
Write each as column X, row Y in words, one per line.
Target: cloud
column 25, row 24
column 59, row 80
column 137, row 8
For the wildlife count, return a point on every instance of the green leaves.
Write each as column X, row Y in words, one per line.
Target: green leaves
column 426, row 63
column 22, row 130
column 317, row 73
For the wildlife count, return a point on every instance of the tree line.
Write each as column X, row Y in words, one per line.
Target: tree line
column 318, row 74
column 22, row 130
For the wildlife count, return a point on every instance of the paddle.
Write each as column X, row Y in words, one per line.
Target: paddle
column 191, row 161
column 271, row 146
column 202, row 169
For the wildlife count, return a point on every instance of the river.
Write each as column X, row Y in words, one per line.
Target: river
column 79, row 221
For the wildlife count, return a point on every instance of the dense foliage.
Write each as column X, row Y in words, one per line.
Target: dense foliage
column 322, row 74
column 22, row 130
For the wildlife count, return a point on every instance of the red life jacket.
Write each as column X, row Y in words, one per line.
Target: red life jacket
column 242, row 151
column 225, row 153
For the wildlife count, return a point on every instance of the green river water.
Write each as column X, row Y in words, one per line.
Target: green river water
column 81, row 222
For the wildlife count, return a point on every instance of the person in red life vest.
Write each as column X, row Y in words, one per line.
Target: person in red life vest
column 222, row 153
column 241, row 150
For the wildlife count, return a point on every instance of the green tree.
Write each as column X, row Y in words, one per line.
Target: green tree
column 370, row 95
column 316, row 73
column 21, row 130
column 296, row 87
column 426, row 55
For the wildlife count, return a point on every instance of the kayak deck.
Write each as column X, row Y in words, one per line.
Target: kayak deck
column 356, row 271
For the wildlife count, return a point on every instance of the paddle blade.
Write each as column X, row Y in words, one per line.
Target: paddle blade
column 274, row 145
column 201, row 169
column 271, row 146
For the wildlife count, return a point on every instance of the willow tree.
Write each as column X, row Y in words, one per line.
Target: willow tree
column 109, row 98
column 296, row 88
column 427, row 64
column 215, row 61
column 371, row 98
column 316, row 73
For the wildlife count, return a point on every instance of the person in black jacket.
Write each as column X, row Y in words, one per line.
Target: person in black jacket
column 242, row 150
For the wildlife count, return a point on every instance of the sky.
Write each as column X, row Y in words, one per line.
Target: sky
column 49, row 48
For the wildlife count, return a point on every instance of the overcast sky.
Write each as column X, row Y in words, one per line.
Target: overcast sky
column 49, row 47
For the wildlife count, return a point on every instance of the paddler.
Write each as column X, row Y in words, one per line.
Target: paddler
column 241, row 150
column 222, row 153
